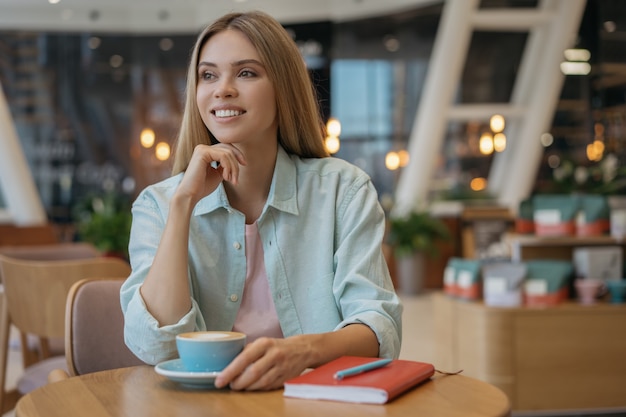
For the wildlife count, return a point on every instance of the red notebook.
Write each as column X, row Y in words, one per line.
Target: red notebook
column 377, row 386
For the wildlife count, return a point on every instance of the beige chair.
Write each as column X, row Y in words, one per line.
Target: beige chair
column 32, row 349
column 35, row 298
column 94, row 328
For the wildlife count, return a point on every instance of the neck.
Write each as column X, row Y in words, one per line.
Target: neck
column 255, row 179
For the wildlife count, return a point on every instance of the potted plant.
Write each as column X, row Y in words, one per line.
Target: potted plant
column 104, row 221
column 413, row 237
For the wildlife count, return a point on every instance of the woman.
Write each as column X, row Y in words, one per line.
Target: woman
column 258, row 230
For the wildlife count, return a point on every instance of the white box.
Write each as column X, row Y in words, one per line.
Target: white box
column 603, row 262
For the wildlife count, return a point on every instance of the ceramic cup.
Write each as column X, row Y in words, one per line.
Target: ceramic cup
column 209, row 351
column 589, row 290
column 617, row 289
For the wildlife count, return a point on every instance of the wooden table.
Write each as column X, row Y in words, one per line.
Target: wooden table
column 140, row 391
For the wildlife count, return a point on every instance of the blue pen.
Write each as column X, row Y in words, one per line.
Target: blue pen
column 339, row 375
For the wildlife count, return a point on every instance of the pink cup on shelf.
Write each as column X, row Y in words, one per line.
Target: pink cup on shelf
column 589, row 290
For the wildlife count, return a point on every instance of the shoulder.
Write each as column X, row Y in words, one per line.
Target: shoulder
column 330, row 167
column 336, row 180
column 159, row 193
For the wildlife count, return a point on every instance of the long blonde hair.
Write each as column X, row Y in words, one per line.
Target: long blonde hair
column 300, row 127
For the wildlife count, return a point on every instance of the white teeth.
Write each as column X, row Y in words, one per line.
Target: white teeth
column 227, row 113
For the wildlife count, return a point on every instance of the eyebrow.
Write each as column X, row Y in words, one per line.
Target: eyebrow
column 233, row 64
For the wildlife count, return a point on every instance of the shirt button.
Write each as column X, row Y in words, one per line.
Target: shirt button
column 234, row 297
column 237, row 245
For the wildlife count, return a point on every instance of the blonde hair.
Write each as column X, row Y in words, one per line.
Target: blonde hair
column 300, row 127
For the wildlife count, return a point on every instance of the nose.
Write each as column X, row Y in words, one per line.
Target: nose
column 225, row 88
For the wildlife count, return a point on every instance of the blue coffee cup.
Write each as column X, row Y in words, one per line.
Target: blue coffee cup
column 209, row 351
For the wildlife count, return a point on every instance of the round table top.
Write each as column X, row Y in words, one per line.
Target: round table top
column 140, row 391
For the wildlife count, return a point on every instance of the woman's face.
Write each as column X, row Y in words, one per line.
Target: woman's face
column 234, row 94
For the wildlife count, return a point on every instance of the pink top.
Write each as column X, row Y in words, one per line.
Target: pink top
column 257, row 314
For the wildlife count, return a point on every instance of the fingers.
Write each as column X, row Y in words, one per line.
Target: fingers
column 259, row 375
column 237, row 367
column 263, row 365
column 223, row 158
column 228, row 165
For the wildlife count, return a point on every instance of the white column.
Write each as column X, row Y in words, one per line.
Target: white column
column 428, row 132
column 18, row 187
column 515, row 172
column 531, row 62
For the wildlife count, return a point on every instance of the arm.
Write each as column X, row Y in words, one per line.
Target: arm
column 166, row 291
column 156, row 298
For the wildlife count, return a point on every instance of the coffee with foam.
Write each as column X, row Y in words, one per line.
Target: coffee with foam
column 212, row 335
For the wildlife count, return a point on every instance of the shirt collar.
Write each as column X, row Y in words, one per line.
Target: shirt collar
column 283, row 192
column 282, row 195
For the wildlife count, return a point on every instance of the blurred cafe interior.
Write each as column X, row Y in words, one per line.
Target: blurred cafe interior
column 493, row 130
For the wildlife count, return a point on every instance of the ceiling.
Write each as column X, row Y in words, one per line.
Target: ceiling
column 178, row 16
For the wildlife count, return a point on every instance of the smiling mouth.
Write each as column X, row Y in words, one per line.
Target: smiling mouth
column 228, row 113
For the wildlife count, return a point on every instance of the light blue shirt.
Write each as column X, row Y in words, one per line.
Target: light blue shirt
column 321, row 230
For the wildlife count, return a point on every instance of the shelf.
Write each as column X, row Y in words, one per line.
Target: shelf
column 525, row 247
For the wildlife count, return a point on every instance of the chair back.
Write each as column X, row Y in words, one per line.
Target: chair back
column 37, row 348
column 36, row 291
column 94, row 328
column 51, row 252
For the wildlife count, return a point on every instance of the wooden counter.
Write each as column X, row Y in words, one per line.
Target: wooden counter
column 565, row 357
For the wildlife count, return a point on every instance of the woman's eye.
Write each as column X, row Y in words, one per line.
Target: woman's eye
column 207, row 76
column 246, row 73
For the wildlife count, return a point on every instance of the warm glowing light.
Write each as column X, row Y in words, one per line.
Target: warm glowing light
column 54, row 1
column 496, row 123
column 333, row 127
column 404, row 157
column 575, row 68
column 332, row 144
column 577, row 55
column 94, row 42
column 599, row 146
column 485, row 145
column 147, row 137
column 610, row 26
column 392, row 44
column 162, row 151
column 478, row 184
column 554, row 161
column 499, row 142
column 595, row 150
column 591, row 153
column 392, row 161
column 116, row 61
column 546, row 139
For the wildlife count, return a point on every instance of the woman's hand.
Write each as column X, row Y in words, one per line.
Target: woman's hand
column 266, row 364
column 209, row 165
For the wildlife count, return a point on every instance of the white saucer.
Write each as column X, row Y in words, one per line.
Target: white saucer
column 174, row 370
